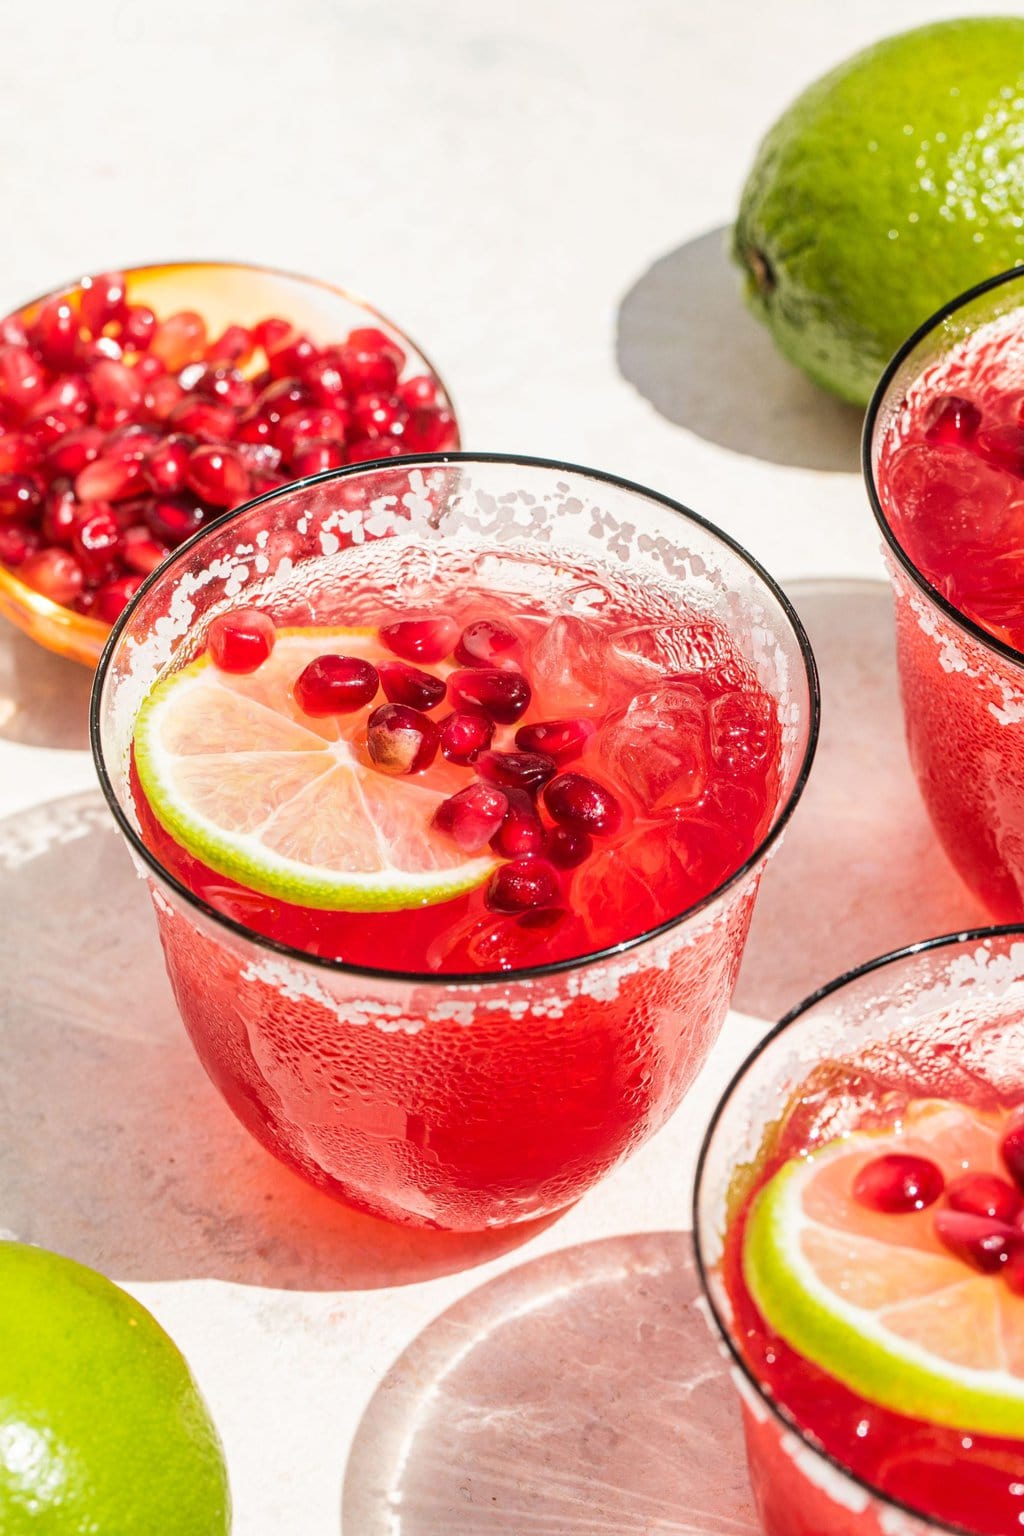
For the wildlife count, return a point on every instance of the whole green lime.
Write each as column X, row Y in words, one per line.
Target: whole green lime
column 102, row 1428
column 887, row 188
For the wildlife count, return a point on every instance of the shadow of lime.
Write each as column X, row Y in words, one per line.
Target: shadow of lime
column 690, row 347
column 115, row 1148
column 578, row 1393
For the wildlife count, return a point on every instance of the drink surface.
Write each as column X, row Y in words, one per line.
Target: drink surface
column 899, row 1214
column 660, row 709
column 951, row 477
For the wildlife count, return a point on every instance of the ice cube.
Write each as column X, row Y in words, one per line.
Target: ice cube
column 657, row 747
column 741, row 730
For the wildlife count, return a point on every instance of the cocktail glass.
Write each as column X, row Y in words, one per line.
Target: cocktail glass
column 941, row 1019
column 457, row 1101
column 963, row 688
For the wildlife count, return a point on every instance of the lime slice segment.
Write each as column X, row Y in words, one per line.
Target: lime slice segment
column 286, row 804
column 876, row 1300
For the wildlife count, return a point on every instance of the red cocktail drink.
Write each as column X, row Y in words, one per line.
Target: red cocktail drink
column 455, row 942
column 859, row 1223
column 944, row 450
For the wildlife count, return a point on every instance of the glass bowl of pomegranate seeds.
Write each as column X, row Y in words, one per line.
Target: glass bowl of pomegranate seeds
column 137, row 406
column 859, row 1226
column 453, row 780
column 944, row 464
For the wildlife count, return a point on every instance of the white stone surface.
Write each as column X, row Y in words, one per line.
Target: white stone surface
column 537, row 192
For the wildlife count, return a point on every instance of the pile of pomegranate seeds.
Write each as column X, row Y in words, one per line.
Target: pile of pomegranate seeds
column 122, row 433
column 982, row 1220
column 500, row 807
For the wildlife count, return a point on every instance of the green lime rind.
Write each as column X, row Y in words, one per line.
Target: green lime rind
column 887, row 188
column 102, row 1426
column 243, row 859
column 845, row 1341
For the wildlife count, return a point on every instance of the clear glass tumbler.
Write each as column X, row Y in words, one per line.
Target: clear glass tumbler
column 962, row 687
column 469, row 1100
column 940, row 1020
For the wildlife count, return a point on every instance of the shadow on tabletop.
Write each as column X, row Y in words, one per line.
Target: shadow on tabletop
column 860, row 870
column 687, row 343
column 44, row 699
column 579, row 1392
column 115, row 1148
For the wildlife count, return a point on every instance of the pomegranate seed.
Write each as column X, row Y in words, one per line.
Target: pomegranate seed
column 217, row 475
column 225, row 386
column 60, row 514
column 17, row 542
column 521, row 884
column 203, row 419
column 485, row 644
column 132, row 442
column 233, row 347
column 373, row 448
column 326, row 385
column 521, row 831
column 138, row 330
column 369, row 362
column 163, row 396
column 574, row 800
column 472, row 817
column 315, row 456
column 420, row 393
column 567, row 846
column 72, row 452
column 13, row 332
column 113, row 598
column 70, row 394
column 464, row 736
column 117, row 392
column 403, row 684
column 179, row 340
column 149, row 369
column 19, row 452
column 523, row 770
column 20, row 496
column 272, row 332
column 430, row 432
column 55, row 573
column 978, row 1240
column 103, row 349
column 142, row 553
column 985, row 1194
column 255, row 431
column 1012, row 1149
column 109, row 479
column 503, row 696
column 421, row 639
column 261, row 482
column 309, row 421
column 22, row 380
column 50, row 428
column 562, row 740
column 240, row 641
column 165, row 465
column 400, row 739
column 897, row 1182
column 54, row 334
column 104, row 300
column 96, row 540
column 173, row 519
column 1013, row 1271
column 378, row 416
column 289, row 356
column 336, row 685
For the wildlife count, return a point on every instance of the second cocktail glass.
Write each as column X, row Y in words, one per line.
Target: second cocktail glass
column 457, row 1100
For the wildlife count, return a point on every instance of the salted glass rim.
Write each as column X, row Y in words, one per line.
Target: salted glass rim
column 739, row 1362
column 880, row 398
column 455, row 978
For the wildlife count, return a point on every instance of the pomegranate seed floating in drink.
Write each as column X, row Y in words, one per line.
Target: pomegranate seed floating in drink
column 90, row 364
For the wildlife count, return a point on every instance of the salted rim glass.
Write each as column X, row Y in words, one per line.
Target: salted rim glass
column 167, row 572
column 956, row 320
column 707, row 1217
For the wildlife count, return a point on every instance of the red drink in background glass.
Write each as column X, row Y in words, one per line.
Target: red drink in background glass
column 933, row 1032
column 944, row 459
column 459, row 1064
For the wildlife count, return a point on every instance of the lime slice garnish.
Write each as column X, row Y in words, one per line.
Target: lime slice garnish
column 286, row 804
column 875, row 1299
